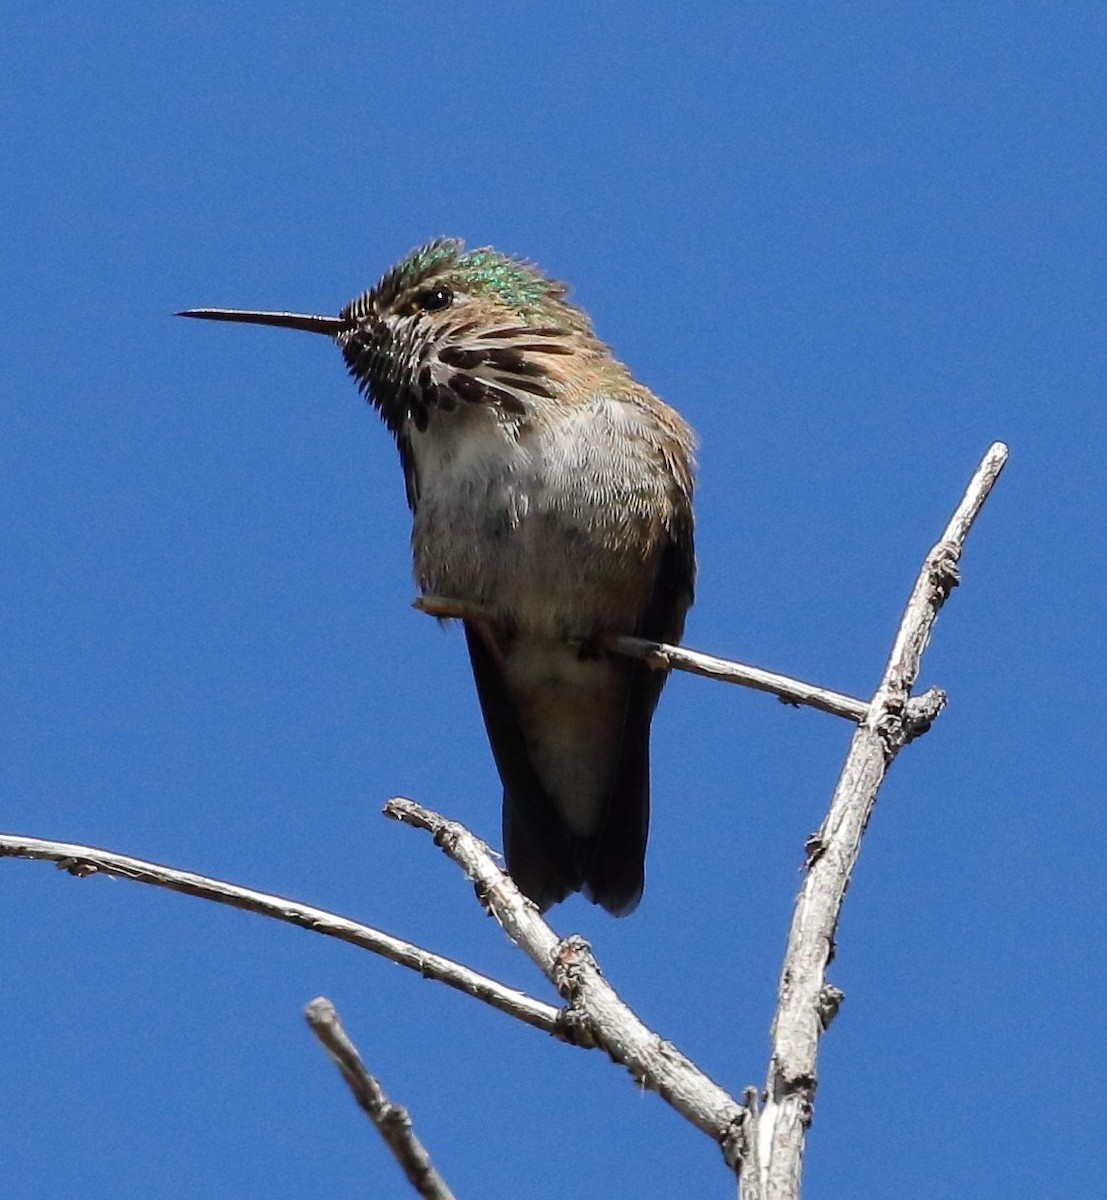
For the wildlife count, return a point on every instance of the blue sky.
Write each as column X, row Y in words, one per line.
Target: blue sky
column 853, row 245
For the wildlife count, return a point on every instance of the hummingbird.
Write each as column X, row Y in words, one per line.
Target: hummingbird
column 551, row 494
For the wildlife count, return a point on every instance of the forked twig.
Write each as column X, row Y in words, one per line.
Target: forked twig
column 596, row 1015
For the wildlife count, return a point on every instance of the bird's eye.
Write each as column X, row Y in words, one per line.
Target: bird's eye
column 434, row 299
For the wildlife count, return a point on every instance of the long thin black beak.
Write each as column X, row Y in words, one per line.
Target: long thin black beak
column 331, row 326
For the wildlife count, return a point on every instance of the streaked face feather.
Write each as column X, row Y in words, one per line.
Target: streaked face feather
column 446, row 327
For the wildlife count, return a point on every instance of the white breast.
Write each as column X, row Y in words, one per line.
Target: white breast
column 532, row 518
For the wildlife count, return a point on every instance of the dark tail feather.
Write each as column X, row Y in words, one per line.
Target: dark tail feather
column 614, row 875
column 615, row 862
column 609, row 868
column 544, row 869
column 540, row 856
column 545, row 858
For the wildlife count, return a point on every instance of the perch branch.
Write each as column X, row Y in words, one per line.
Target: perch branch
column 596, row 1016
column 662, row 656
column 87, row 860
column 806, row 1004
column 392, row 1121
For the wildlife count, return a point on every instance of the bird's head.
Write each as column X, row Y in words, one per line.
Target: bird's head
column 448, row 326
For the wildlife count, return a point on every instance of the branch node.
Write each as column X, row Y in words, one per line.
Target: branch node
column 830, row 1000
column 801, row 1087
column 944, row 569
column 79, row 868
column 735, row 1142
column 890, row 728
column 921, row 712
column 813, row 849
column 576, row 1029
column 572, row 960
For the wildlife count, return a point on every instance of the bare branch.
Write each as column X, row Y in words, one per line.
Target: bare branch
column 597, row 1017
column 792, row 691
column 764, row 1146
column 806, row 1004
column 662, row 656
column 392, row 1121
column 87, row 860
